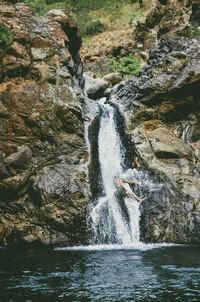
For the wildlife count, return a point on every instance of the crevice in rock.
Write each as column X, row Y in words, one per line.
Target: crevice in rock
column 95, row 179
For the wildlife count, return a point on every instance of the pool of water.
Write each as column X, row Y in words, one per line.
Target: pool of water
column 143, row 273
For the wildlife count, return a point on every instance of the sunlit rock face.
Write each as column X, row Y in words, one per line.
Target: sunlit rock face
column 162, row 109
column 172, row 18
column 42, row 149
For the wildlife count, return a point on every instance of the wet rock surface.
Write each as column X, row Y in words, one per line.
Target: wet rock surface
column 162, row 109
column 43, row 185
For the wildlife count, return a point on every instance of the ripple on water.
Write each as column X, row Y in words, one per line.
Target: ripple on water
column 163, row 273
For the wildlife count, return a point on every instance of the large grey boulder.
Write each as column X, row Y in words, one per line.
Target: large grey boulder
column 113, row 78
column 95, row 87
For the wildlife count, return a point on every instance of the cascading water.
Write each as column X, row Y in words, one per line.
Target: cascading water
column 113, row 221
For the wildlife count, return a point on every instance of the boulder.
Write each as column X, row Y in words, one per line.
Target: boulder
column 29, row 238
column 113, row 78
column 95, row 87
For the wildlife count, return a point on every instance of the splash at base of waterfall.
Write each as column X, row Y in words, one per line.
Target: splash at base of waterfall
column 112, row 224
column 132, row 246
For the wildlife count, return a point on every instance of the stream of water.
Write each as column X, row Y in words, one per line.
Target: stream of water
column 109, row 222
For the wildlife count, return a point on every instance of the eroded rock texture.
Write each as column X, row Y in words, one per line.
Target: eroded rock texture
column 42, row 151
column 162, row 109
column 172, row 18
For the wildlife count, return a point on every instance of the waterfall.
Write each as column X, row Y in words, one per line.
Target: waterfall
column 113, row 220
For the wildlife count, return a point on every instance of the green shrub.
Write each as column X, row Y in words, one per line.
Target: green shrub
column 126, row 65
column 86, row 24
column 93, row 28
column 86, row 11
column 194, row 32
column 113, row 65
column 5, row 37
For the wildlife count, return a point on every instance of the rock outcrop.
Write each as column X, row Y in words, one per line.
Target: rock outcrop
column 162, row 110
column 172, row 18
column 42, row 152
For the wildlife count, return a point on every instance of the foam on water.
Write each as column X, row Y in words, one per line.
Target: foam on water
column 101, row 247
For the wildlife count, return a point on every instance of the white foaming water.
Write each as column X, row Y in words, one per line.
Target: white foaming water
column 134, row 246
column 109, row 222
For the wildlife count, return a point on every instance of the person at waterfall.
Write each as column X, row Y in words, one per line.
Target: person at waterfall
column 122, row 192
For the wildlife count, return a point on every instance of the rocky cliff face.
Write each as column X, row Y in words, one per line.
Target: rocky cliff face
column 162, row 110
column 167, row 17
column 42, row 152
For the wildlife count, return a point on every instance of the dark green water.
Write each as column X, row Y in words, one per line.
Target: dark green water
column 160, row 274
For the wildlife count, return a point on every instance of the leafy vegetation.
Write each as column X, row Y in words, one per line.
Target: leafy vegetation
column 194, row 32
column 126, row 65
column 5, row 37
column 92, row 15
column 93, row 28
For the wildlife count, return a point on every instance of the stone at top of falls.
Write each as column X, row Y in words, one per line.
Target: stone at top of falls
column 95, row 87
column 113, row 78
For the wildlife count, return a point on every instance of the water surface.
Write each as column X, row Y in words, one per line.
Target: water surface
column 101, row 274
